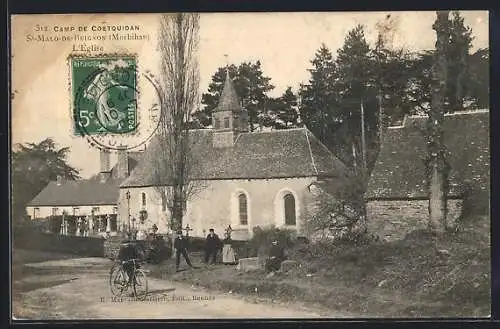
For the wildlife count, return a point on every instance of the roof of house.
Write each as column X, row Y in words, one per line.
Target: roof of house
column 229, row 100
column 92, row 191
column 79, row 192
column 272, row 154
column 399, row 172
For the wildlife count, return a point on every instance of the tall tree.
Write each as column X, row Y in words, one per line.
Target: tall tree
column 319, row 98
column 437, row 166
column 283, row 110
column 420, row 86
column 460, row 71
column 391, row 75
column 251, row 86
column 460, row 43
column 358, row 92
column 178, row 44
column 34, row 165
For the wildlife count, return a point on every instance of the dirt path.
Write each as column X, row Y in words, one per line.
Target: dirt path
column 78, row 289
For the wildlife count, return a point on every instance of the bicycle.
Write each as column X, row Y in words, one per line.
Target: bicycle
column 119, row 281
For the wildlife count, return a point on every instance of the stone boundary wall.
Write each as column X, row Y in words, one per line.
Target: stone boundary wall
column 393, row 219
column 28, row 238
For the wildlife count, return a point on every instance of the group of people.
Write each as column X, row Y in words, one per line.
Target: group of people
column 213, row 245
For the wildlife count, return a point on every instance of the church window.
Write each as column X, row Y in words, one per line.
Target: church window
column 54, row 211
column 36, row 212
column 226, row 122
column 216, row 123
column 243, row 209
column 143, row 199
column 289, row 203
column 76, row 211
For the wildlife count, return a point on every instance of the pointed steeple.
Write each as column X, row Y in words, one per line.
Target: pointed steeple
column 229, row 119
column 229, row 100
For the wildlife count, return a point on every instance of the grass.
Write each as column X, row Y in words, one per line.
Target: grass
column 419, row 276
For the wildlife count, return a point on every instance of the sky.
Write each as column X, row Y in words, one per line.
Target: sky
column 283, row 42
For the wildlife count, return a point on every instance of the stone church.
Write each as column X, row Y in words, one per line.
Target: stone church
column 245, row 179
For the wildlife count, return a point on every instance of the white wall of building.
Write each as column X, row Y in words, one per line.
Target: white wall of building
column 82, row 210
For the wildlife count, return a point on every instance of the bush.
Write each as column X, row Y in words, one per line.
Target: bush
column 196, row 244
column 262, row 238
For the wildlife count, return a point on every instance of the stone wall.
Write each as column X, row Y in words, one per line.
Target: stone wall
column 112, row 246
column 28, row 238
column 392, row 220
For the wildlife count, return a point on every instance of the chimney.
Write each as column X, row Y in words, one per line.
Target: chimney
column 105, row 163
column 122, row 166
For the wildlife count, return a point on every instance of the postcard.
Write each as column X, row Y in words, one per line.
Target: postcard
column 250, row 165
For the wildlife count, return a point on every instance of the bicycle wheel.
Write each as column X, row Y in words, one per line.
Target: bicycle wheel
column 140, row 285
column 117, row 281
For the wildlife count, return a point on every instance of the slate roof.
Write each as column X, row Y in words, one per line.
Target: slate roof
column 229, row 100
column 272, row 154
column 399, row 172
column 86, row 192
column 78, row 193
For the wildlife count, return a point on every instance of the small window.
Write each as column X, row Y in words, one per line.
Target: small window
column 226, row 122
column 216, row 123
column 236, row 121
column 243, row 209
column 143, row 199
column 289, row 202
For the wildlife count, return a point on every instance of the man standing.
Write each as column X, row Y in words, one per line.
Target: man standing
column 180, row 245
column 212, row 245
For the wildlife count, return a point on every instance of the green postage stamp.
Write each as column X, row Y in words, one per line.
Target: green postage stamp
column 104, row 95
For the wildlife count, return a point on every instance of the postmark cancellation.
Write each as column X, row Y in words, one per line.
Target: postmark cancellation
column 113, row 105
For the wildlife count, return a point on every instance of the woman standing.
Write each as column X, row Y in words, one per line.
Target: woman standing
column 227, row 250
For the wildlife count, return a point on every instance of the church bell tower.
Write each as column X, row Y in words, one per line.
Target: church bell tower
column 229, row 119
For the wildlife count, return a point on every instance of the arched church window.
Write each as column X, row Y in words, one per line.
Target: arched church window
column 216, row 123
column 289, row 202
column 243, row 208
column 226, row 122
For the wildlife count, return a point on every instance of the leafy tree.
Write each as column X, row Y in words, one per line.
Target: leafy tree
column 420, row 84
column 466, row 72
column 34, row 165
column 392, row 72
column 251, row 86
column 283, row 110
column 479, row 78
column 319, row 97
